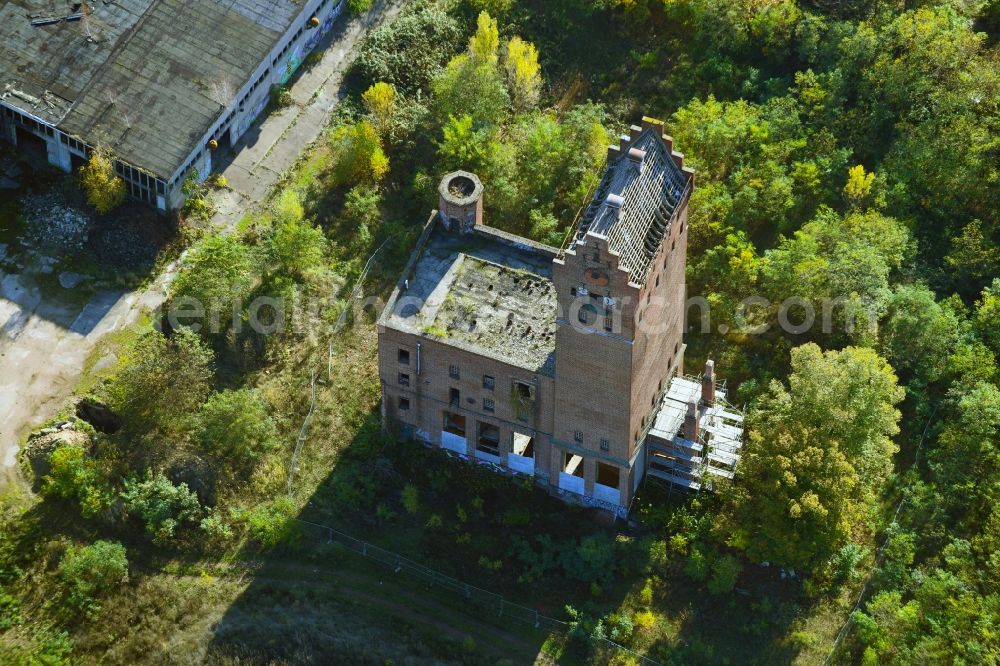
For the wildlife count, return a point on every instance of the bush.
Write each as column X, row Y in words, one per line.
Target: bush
column 271, row 523
column 280, row 96
column 104, row 189
column 725, row 571
column 72, row 475
column 159, row 382
column 411, row 498
column 215, row 528
column 297, row 247
column 90, row 571
column 235, row 425
column 162, row 506
column 359, row 6
column 410, row 50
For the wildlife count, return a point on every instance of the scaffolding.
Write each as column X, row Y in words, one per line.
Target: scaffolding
column 694, row 440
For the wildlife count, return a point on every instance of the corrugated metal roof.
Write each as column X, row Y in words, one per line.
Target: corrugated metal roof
column 139, row 76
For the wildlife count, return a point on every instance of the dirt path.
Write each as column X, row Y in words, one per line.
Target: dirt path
column 45, row 342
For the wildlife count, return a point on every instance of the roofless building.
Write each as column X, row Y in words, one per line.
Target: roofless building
column 561, row 364
column 162, row 84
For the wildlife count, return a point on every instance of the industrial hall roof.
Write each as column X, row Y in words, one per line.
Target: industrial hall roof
column 145, row 78
column 634, row 203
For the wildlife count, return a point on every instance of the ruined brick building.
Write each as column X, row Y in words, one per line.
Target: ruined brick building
column 562, row 364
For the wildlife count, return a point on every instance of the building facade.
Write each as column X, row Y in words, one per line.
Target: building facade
column 162, row 84
column 552, row 363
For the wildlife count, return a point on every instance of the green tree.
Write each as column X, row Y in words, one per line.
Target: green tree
column 216, row 275
column 410, row 50
column 159, row 382
column 918, row 334
column 966, row 460
column 271, row 523
column 842, row 264
column 987, row 318
column 163, row 507
column 236, row 426
column 74, row 475
column 103, row 188
column 360, row 157
column 524, row 74
column 297, row 247
column 483, row 45
column 725, row 572
column 91, row 571
column 818, row 453
column 380, row 100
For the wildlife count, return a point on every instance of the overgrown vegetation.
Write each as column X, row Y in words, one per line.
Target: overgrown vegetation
column 844, row 150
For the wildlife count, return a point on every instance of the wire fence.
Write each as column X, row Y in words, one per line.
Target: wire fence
column 475, row 597
column 356, row 293
column 881, row 551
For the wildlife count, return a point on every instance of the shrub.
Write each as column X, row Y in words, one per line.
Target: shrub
column 271, row 523
column 411, row 498
column 360, row 157
column 646, row 595
column 90, row 571
column 725, row 571
column 159, row 382
column 645, row 619
column 280, row 97
column 618, row 627
column 10, row 611
column 298, row 247
column 215, row 528
column 104, row 189
column 697, row 566
column 847, row 559
column 162, row 506
column 236, row 426
column 408, row 51
column 359, row 6
column 72, row 475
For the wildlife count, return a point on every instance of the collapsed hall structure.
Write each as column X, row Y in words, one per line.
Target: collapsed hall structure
column 162, row 84
column 566, row 365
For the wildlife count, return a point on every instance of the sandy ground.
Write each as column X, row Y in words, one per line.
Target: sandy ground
column 45, row 342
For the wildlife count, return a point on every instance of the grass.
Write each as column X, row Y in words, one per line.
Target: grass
column 317, row 603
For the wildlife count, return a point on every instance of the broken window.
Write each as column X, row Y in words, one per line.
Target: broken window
column 578, row 436
column 454, row 424
column 587, row 314
column 489, row 405
column 523, row 445
column 607, row 475
column 404, row 357
column 454, row 372
column 404, row 404
column 488, row 440
column 404, row 379
column 522, row 398
column 454, row 397
column 573, row 464
column 488, row 382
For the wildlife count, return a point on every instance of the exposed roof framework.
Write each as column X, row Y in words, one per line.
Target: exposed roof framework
column 690, row 463
column 634, row 204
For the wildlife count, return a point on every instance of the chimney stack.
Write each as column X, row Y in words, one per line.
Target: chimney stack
column 460, row 202
column 708, row 383
column 691, row 431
